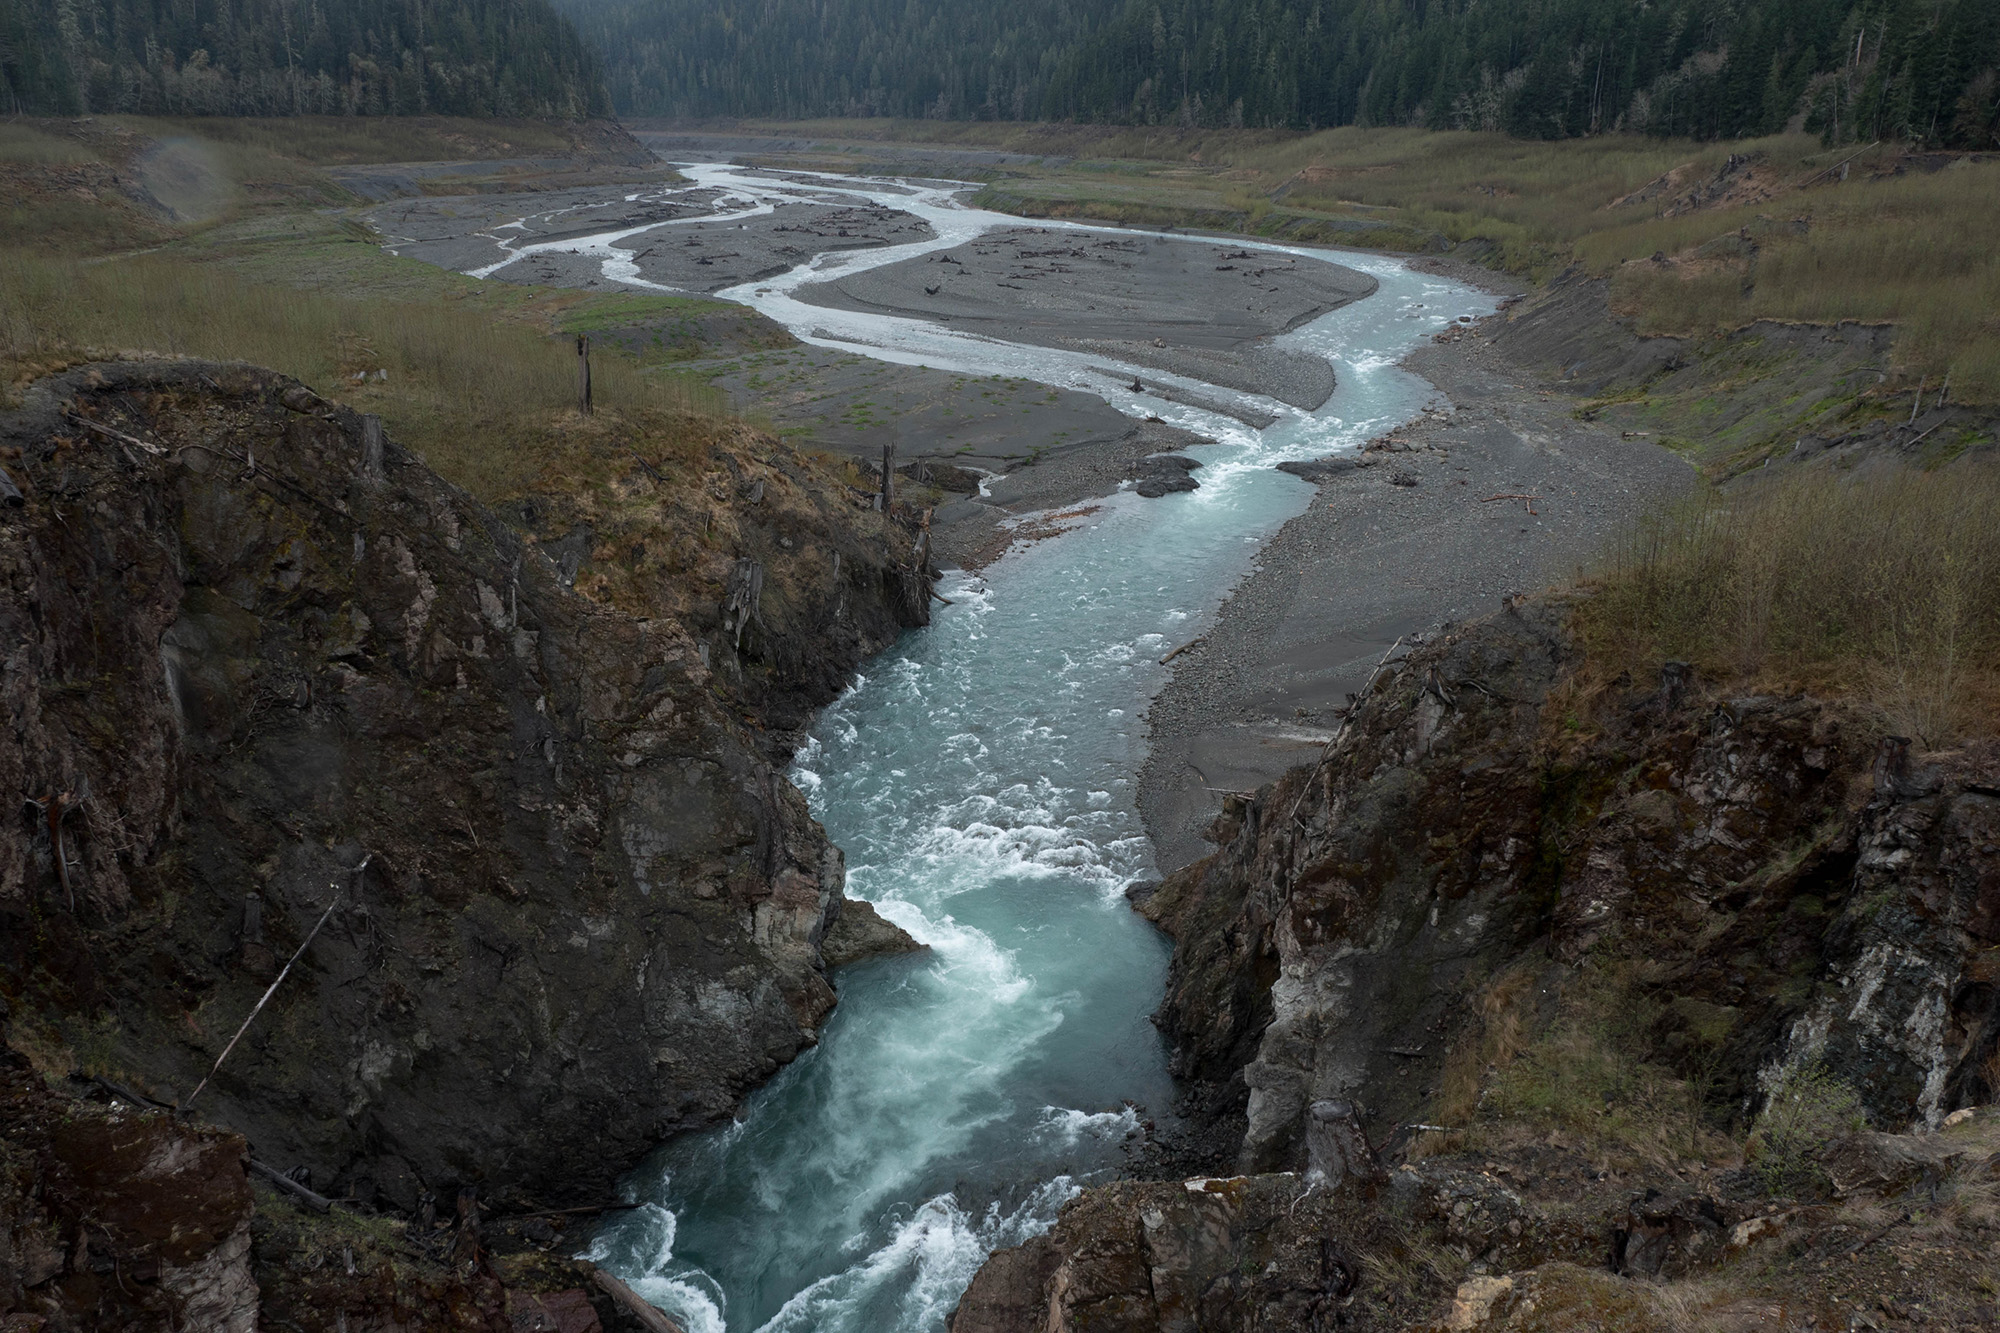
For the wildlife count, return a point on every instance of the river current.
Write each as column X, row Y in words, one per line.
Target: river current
column 981, row 777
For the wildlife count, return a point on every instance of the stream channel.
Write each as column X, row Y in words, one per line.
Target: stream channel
column 981, row 778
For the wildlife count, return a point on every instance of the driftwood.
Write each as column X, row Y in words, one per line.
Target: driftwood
column 317, row 1202
column 272, row 989
column 1913, row 443
column 648, row 1315
column 1530, row 499
column 1827, row 171
column 125, row 1094
column 118, row 435
column 1183, row 648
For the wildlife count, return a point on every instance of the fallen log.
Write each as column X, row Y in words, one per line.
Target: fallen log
column 636, row 1305
column 317, row 1202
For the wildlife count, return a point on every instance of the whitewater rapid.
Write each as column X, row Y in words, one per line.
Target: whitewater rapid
column 981, row 778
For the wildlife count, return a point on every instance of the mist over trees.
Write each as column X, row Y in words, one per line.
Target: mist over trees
column 943, row 59
column 295, row 57
column 1927, row 71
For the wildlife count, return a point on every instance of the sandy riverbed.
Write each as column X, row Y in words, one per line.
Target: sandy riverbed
column 1373, row 560
column 469, row 233
column 1201, row 309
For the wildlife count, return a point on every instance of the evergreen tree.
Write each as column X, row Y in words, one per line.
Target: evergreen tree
column 295, row 57
column 1922, row 70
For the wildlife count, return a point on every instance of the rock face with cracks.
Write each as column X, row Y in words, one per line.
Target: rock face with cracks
column 266, row 686
column 1785, row 898
column 1819, row 898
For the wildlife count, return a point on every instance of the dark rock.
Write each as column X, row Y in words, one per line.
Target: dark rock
column 96, row 1193
column 1402, row 479
column 568, row 883
column 1438, row 869
column 1664, row 1234
column 1163, row 474
column 1154, row 485
column 1337, row 1148
column 1325, row 469
column 859, row 931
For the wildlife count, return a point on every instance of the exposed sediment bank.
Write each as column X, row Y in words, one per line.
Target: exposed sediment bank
column 1498, row 490
column 1199, row 309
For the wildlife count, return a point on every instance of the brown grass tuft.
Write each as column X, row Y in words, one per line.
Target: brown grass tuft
column 1885, row 587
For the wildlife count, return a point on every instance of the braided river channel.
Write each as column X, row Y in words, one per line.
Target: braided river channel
column 981, row 778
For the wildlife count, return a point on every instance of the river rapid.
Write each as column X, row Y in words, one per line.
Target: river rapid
column 981, row 777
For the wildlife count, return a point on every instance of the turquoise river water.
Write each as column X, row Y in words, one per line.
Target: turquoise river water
column 980, row 776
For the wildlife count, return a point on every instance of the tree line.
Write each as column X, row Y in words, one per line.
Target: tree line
column 295, row 57
column 1924, row 71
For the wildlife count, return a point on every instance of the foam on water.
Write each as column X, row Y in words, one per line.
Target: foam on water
column 981, row 778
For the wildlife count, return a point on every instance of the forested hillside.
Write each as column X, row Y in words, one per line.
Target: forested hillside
column 295, row 57
column 1921, row 70
column 946, row 59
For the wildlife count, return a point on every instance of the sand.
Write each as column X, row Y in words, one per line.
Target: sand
column 1373, row 560
column 466, row 233
column 1196, row 308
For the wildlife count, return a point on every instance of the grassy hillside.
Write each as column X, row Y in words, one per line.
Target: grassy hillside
column 479, row 376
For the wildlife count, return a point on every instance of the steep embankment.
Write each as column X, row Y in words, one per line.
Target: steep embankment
column 1572, row 943
column 270, row 684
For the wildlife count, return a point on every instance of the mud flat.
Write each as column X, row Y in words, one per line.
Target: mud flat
column 1407, row 536
column 1195, row 308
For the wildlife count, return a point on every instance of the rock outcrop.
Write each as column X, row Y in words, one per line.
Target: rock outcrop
column 1802, row 893
column 270, row 682
column 1577, row 934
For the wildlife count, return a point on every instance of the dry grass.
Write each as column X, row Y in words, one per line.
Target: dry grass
column 28, row 145
column 1917, row 251
column 1885, row 586
column 1582, row 1071
column 477, row 392
column 340, row 140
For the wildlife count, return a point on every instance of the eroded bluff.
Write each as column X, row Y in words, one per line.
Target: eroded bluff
column 1558, row 944
column 269, row 679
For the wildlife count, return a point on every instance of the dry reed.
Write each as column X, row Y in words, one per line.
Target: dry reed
column 1884, row 586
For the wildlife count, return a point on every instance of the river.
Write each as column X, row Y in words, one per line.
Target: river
column 981, row 777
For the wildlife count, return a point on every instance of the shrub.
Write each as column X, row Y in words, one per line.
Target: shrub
column 1805, row 1110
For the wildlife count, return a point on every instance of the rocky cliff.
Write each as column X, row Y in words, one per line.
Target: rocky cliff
column 272, row 682
column 1583, row 940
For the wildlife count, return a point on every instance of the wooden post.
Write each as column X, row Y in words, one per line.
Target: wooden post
column 888, row 470
column 371, row 448
column 583, row 373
